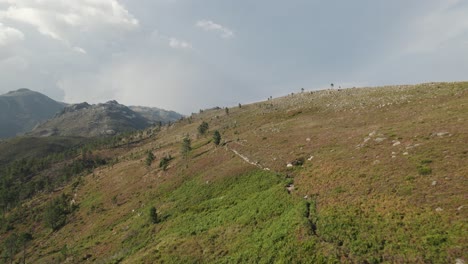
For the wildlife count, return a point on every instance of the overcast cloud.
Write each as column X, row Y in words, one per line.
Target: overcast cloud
column 183, row 55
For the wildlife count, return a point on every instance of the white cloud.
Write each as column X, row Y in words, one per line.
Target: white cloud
column 444, row 23
column 179, row 44
column 79, row 50
column 209, row 25
column 62, row 20
column 14, row 63
column 9, row 35
column 171, row 41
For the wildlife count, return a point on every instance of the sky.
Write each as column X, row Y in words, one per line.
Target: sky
column 186, row 55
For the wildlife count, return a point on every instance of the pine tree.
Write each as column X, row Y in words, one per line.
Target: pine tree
column 203, row 128
column 153, row 215
column 186, row 146
column 150, row 158
column 216, row 137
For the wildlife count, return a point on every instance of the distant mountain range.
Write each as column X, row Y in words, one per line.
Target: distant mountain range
column 29, row 112
column 22, row 110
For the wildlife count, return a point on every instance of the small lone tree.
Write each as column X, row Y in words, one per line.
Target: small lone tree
column 153, row 215
column 332, row 85
column 216, row 138
column 165, row 162
column 226, row 110
column 149, row 158
column 56, row 212
column 186, row 146
column 240, row 106
column 203, row 127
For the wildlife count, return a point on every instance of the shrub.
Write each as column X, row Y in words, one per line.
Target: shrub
column 150, row 158
column 424, row 170
column 216, row 138
column 186, row 146
column 203, row 127
column 56, row 212
column 153, row 215
column 165, row 162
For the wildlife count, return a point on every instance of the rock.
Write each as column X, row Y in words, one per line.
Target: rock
column 442, row 134
column 434, row 183
column 308, row 139
column 438, row 209
column 376, row 162
column 298, row 162
column 379, row 139
column 371, row 134
column 459, row 261
column 405, row 153
column 396, row 143
column 289, row 165
column 460, row 207
column 311, row 157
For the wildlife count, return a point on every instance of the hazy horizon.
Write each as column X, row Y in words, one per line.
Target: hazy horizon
column 183, row 56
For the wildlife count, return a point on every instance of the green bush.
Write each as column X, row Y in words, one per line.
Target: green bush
column 149, row 158
column 424, row 170
column 153, row 215
column 56, row 211
column 203, row 128
column 164, row 162
column 186, row 146
column 216, row 138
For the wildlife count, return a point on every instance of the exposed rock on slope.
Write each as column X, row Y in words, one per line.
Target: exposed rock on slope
column 23, row 109
column 155, row 115
column 92, row 120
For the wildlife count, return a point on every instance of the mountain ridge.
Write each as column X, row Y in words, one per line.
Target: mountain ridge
column 24, row 111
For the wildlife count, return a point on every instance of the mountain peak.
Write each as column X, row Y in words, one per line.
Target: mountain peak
column 21, row 91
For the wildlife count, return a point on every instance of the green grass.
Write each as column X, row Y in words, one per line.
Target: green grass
column 245, row 218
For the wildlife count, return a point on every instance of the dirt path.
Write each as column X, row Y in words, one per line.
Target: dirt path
column 245, row 158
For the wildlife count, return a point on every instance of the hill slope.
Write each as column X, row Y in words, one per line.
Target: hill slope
column 92, row 120
column 365, row 175
column 23, row 109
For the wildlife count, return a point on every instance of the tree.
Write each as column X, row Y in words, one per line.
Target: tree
column 186, row 146
column 153, row 215
column 332, row 85
column 23, row 240
column 164, row 162
column 226, row 110
column 203, row 127
column 240, row 106
column 302, row 90
column 11, row 246
column 216, row 138
column 56, row 212
column 149, row 158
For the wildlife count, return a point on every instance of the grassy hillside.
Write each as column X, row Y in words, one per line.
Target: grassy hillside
column 28, row 147
column 365, row 175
